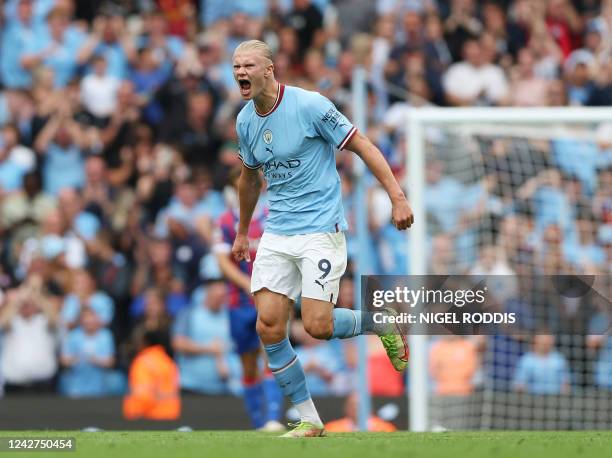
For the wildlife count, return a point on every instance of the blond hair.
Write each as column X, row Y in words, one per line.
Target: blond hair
column 255, row 45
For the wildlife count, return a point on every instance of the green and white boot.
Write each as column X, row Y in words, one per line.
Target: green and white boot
column 305, row 429
column 394, row 341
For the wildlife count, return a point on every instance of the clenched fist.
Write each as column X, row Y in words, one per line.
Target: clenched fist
column 240, row 250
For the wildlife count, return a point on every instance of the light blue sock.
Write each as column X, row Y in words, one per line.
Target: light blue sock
column 287, row 371
column 347, row 323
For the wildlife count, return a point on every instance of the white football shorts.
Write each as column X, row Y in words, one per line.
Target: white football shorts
column 310, row 264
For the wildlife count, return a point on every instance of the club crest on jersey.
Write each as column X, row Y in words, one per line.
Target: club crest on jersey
column 267, row 136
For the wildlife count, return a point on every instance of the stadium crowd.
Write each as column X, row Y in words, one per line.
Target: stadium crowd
column 117, row 137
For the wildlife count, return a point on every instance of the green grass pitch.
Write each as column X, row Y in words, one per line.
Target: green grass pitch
column 201, row 444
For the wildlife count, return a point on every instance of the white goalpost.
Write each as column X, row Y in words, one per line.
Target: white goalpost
column 462, row 141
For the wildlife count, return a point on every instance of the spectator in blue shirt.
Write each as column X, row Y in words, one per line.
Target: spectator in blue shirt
column 550, row 204
column 175, row 301
column 83, row 222
column 159, row 270
column 542, row 370
column 56, row 48
column 584, row 253
column 88, row 355
column 165, row 48
column 443, row 196
column 201, row 342
column 61, row 144
column 110, row 41
column 601, row 342
column 11, row 169
column 18, row 33
column 40, row 10
column 579, row 158
column 213, row 11
column 148, row 76
column 85, row 295
column 179, row 219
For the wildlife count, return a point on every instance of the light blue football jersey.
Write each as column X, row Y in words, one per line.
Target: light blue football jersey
column 294, row 144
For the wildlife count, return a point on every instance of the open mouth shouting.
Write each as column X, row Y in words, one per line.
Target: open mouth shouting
column 245, row 87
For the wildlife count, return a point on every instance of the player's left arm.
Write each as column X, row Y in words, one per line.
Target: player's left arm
column 361, row 145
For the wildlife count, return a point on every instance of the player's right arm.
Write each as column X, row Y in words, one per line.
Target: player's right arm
column 249, row 187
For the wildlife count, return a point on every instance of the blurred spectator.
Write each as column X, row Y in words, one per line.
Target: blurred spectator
column 55, row 47
column 509, row 36
column 348, row 424
column 436, row 49
column 40, row 10
column 491, row 262
column 563, row 23
column 453, row 362
column 542, row 370
column 88, row 356
column 551, row 257
column 527, row 89
column 108, row 40
column 166, row 49
column 201, row 342
column 155, row 319
column 53, row 241
column 99, row 198
column 461, row 25
column 149, row 74
column 585, row 253
column 192, row 130
column 84, row 294
column 121, row 133
column 156, row 269
column 475, row 81
column 390, row 243
column 15, row 160
column 16, row 36
column 28, row 320
column 154, row 392
column 29, row 205
column 61, row 143
column 213, row 11
column 602, row 201
column 442, row 254
column 99, row 90
column 598, row 340
column 180, row 16
column 601, row 93
column 307, row 21
column 548, row 56
column 556, row 95
column 443, row 195
column 578, row 74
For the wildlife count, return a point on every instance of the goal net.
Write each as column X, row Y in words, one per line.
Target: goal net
column 516, row 195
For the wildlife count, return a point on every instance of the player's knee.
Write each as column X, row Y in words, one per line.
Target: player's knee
column 319, row 329
column 269, row 331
